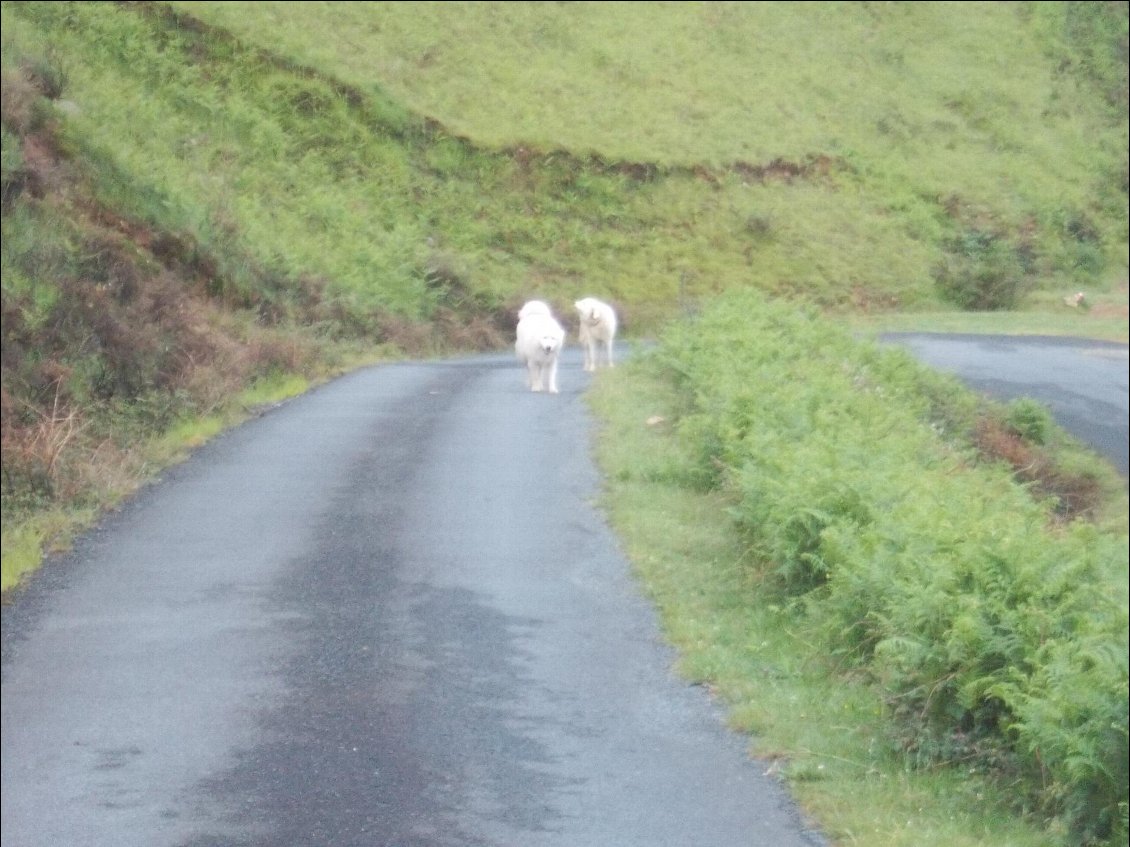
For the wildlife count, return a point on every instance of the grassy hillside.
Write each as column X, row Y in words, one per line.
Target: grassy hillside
column 860, row 156
column 912, row 130
column 206, row 206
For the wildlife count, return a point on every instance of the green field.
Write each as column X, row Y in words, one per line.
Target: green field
column 210, row 205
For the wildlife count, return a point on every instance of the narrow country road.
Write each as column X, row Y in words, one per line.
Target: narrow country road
column 383, row 613
column 1082, row 382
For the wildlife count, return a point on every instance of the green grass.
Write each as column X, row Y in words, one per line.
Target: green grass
column 931, row 113
column 265, row 192
column 194, row 431
column 834, row 154
column 822, row 730
column 966, row 562
column 23, row 552
column 997, row 323
column 676, row 83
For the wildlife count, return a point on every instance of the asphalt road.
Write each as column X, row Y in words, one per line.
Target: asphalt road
column 1083, row 383
column 383, row 613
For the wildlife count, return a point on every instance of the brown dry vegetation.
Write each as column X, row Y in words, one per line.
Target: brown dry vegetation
column 1075, row 493
column 142, row 329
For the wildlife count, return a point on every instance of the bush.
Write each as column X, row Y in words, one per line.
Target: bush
column 981, row 272
column 1029, row 419
column 998, row 636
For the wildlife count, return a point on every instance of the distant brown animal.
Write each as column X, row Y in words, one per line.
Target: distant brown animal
column 1075, row 300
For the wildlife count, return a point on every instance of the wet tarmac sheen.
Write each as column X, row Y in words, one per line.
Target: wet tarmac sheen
column 1083, row 383
column 383, row 613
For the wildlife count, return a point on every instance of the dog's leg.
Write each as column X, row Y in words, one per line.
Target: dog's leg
column 552, row 367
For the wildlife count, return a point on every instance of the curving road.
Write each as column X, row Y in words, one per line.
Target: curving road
column 383, row 613
column 361, row 619
column 1082, row 382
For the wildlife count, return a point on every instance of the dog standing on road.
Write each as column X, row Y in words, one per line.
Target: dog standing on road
column 540, row 339
column 597, row 330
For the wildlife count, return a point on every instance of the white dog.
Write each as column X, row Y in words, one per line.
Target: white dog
column 598, row 328
column 538, row 345
column 534, row 307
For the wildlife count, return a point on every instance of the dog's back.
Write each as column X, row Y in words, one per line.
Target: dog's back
column 596, row 331
column 597, row 320
column 534, row 307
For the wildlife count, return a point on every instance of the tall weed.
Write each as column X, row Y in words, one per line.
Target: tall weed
column 862, row 502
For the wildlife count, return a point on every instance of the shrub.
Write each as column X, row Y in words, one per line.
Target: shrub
column 981, row 272
column 1029, row 419
column 997, row 636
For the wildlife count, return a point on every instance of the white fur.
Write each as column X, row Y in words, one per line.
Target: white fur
column 538, row 346
column 597, row 330
column 534, row 307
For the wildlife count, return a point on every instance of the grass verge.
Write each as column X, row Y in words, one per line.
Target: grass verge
column 819, row 727
column 27, row 536
column 1103, row 317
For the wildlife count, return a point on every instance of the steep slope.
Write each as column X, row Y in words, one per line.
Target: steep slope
column 198, row 198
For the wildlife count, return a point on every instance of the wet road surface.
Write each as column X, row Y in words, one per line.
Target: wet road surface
column 383, row 613
column 1083, row 383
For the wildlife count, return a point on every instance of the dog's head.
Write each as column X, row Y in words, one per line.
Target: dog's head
column 550, row 342
column 588, row 309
